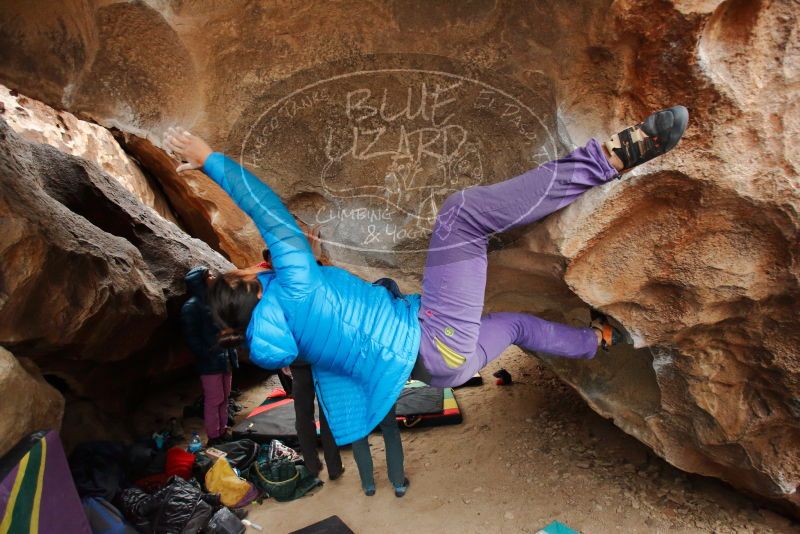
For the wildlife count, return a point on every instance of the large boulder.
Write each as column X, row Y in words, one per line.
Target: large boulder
column 698, row 259
column 52, row 41
column 38, row 122
column 27, row 402
column 110, row 59
column 200, row 206
column 205, row 210
column 365, row 121
column 92, row 279
column 85, row 190
column 707, row 289
column 67, row 284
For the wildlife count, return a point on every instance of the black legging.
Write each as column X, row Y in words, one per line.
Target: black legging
column 303, row 392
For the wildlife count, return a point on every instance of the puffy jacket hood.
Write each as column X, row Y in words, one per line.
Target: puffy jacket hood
column 196, row 282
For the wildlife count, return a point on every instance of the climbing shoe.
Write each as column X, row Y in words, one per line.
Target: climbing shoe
column 609, row 336
column 656, row 135
column 400, row 491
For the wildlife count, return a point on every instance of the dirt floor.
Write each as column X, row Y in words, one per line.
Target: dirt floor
column 525, row 455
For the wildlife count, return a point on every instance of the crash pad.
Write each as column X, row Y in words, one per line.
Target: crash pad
column 421, row 405
column 37, row 494
column 418, row 406
column 273, row 419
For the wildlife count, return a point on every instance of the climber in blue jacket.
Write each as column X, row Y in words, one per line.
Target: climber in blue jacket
column 362, row 341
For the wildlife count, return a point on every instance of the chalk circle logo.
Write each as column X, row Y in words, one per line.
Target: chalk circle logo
column 449, row 331
column 371, row 147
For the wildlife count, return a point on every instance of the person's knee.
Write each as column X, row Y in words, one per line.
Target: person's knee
column 391, row 433
column 213, row 395
column 390, row 430
column 303, row 404
column 361, row 449
column 458, row 204
column 214, row 404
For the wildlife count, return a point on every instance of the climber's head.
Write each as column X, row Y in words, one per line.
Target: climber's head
column 232, row 298
column 197, row 281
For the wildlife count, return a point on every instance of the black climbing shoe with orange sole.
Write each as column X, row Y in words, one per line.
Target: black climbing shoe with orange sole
column 654, row 136
column 609, row 336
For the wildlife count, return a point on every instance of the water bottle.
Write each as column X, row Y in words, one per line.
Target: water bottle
column 159, row 440
column 195, row 444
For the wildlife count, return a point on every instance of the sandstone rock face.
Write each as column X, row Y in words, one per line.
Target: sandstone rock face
column 27, row 401
column 365, row 119
column 122, row 57
column 91, row 279
column 67, row 284
column 205, row 210
column 50, row 51
column 40, row 123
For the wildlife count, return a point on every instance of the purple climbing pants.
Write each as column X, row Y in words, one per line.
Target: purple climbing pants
column 216, row 390
column 457, row 339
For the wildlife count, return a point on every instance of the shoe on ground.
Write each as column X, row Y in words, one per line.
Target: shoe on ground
column 400, row 491
column 369, row 491
column 656, row 135
column 336, row 476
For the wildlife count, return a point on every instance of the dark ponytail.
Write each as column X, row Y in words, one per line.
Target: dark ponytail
column 232, row 298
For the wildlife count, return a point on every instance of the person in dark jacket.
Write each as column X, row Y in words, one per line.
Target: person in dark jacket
column 213, row 364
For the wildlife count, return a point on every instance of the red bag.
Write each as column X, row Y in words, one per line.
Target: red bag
column 179, row 462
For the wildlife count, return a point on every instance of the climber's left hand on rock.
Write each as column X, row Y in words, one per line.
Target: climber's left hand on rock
column 187, row 147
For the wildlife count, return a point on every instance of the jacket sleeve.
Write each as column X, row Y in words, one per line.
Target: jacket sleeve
column 296, row 269
column 191, row 323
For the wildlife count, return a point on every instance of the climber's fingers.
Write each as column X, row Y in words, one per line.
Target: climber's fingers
column 171, row 132
column 186, row 147
column 171, row 148
column 187, row 167
column 186, row 135
column 183, row 137
column 177, row 141
column 174, row 140
column 179, row 136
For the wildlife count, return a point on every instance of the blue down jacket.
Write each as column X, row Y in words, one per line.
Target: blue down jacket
column 360, row 341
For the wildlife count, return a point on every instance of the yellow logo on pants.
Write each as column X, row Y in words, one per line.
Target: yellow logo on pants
column 451, row 358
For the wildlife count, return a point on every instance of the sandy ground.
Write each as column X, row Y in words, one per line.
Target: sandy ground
column 525, row 455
